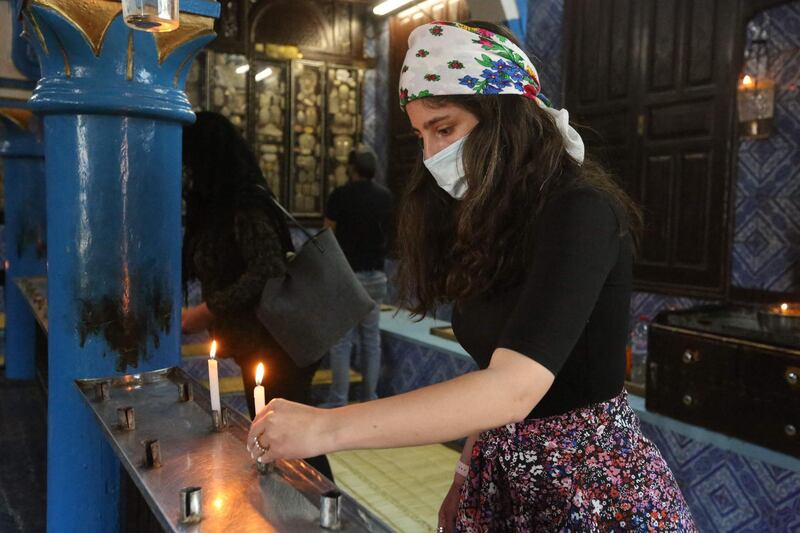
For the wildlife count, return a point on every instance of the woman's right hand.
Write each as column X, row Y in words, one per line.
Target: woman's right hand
column 449, row 508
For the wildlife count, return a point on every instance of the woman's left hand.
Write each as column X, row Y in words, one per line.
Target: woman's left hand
column 289, row 430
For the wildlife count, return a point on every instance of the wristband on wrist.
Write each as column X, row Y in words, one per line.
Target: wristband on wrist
column 462, row 469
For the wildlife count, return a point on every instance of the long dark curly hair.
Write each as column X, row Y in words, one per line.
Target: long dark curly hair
column 221, row 177
column 514, row 162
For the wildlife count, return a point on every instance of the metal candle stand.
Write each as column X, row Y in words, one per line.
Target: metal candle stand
column 164, row 440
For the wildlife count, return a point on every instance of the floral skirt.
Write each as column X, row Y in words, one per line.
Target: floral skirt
column 588, row 470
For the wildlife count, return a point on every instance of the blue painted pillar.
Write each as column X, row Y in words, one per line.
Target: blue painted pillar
column 113, row 106
column 25, row 240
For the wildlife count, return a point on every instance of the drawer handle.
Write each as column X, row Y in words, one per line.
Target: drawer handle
column 687, row 400
column 790, row 430
column 690, row 356
column 791, row 377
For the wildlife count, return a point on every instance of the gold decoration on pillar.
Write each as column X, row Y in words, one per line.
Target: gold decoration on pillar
column 38, row 31
column 67, row 67
column 91, row 17
column 20, row 117
column 192, row 27
column 176, row 78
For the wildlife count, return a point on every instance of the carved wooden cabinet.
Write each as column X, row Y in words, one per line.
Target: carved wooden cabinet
column 653, row 82
column 717, row 368
column 289, row 74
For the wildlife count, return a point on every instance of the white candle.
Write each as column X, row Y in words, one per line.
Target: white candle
column 258, row 392
column 213, row 378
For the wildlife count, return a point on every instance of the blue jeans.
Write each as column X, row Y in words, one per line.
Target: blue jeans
column 367, row 337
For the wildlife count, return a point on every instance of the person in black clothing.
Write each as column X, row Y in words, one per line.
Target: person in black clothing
column 234, row 240
column 533, row 243
column 360, row 214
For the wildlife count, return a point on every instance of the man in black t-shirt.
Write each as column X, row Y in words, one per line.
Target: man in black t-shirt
column 360, row 215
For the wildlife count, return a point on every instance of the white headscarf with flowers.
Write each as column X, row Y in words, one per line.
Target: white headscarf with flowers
column 448, row 58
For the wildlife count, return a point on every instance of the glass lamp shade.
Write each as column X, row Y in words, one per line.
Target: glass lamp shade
column 151, row 15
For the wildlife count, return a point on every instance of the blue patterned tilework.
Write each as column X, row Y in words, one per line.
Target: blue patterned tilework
column 766, row 246
column 406, row 366
column 543, row 41
column 236, row 402
column 197, row 367
column 729, row 492
column 375, row 98
column 650, row 304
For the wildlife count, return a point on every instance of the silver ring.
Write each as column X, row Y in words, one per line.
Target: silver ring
column 258, row 445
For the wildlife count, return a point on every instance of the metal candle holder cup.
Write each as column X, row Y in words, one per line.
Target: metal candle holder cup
column 265, row 468
column 102, row 391
column 152, row 453
column 191, row 504
column 330, row 514
column 220, row 419
column 126, row 418
column 185, row 391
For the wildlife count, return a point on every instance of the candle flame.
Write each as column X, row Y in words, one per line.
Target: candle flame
column 259, row 373
column 213, row 351
column 784, row 307
column 747, row 81
column 218, row 503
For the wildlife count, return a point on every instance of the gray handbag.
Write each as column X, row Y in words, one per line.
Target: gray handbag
column 316, row 302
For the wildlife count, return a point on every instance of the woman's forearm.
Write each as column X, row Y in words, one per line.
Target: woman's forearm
column 503, row 393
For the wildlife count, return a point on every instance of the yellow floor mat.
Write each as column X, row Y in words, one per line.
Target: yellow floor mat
column 195, row 350
column 402, row 486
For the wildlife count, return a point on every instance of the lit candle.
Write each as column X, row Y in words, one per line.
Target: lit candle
column 784, row 308
column 748, row 82
column 213, row 378
column 258, row 392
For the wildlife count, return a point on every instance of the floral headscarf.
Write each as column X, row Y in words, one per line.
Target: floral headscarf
column 448, row 58
column 451, row 58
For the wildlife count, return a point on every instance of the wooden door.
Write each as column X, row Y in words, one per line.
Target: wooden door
column 653, row 82
column 685, row 116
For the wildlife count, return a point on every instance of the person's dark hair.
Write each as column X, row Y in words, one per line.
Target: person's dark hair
column 514, row 162
column 222, row 177
column 364, row 161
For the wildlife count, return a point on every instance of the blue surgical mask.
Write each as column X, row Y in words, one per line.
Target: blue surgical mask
column 447, row 168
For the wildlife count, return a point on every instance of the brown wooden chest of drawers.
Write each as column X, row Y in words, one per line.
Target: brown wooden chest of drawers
column 742, row 387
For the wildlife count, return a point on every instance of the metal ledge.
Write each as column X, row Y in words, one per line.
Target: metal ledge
column 235, row 496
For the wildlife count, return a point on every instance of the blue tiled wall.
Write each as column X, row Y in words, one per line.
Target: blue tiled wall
column 766, row 245
column 543, row 41
column 375, row 101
